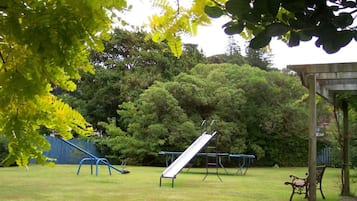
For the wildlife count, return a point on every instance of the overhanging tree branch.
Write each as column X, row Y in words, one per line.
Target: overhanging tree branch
column 2, row 58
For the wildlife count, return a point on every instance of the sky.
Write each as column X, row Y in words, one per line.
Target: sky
column 212, row 40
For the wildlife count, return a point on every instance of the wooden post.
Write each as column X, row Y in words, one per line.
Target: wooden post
column 312, row 137
column 345, row 153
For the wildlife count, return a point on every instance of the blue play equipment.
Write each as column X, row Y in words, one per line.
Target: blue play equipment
column 244, row 160
column 92, row 159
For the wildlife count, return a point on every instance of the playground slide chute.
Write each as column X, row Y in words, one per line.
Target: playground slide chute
column 176, row 166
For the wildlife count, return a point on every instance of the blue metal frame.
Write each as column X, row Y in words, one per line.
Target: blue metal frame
column 244, row 160
column 92, row 158
column 97, row 162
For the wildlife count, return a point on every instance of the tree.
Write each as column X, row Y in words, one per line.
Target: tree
column 224, row 58
column 43, row 45
column 256, row 112
column 233, row 54
column 156, row 122
column 258, row 58
column 331, row 22
column 128, row 65
column 233, row 46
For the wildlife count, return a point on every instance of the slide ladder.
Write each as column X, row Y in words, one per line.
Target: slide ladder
column 212, row 159
column 176, row 166
column 93, row 159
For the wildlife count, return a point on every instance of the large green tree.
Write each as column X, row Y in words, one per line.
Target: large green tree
column 44, row 44
column 256, row 112
column 128, row 65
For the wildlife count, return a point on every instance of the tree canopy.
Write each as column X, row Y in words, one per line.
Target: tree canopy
column 44, row 45
column 256, row 112
column 127, row 66
column 331, row 22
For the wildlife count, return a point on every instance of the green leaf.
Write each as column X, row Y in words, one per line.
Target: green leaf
column 340, row 39
column 233, row 28
column 213, row 11
column 261, row 6
column 274, row 6
column 175, row 45
column 335, row 8
column 350, row 4
column 238, row 8
column 343, row 20
column 294, row 39
column 260, row 40
column 343, row 38
column 277, row 29
column 293, row 5
column 252, row 18
column 318, row 42
column 265, row 7
column 306, row 35
column 330, row 48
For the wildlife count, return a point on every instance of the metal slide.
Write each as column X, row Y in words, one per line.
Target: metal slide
column 186, row 156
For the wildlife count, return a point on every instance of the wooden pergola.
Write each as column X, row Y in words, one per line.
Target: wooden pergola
column 328, row 81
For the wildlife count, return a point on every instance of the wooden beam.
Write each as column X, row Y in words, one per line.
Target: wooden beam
column 345, row 153
column 336, row 75
column 312, row 137
column 324, row 68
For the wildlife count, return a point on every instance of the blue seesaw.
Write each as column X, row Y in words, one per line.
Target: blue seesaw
column 92, row 159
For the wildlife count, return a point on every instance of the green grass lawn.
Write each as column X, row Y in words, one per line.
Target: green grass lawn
column 61, row 183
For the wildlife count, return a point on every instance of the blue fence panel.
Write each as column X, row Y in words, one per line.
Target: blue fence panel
column 65, row 154
column 324, row 156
